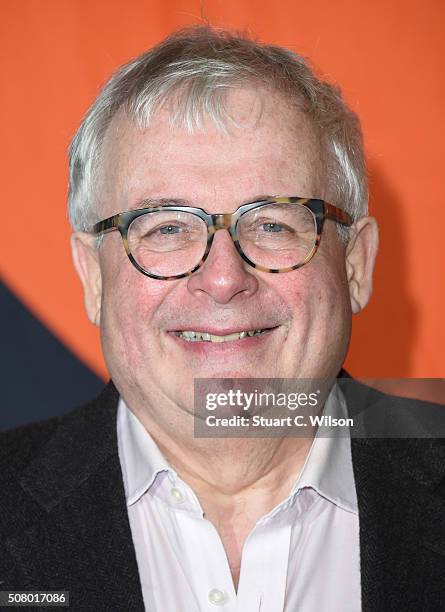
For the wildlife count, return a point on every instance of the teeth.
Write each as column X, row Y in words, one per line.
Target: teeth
column 194, row 336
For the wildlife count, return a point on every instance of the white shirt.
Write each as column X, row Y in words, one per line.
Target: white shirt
column 302, row 556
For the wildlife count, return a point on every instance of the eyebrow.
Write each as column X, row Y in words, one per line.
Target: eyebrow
column 160, row 202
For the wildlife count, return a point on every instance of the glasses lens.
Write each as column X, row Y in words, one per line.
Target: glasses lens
column 278, row 235
column 167, row 243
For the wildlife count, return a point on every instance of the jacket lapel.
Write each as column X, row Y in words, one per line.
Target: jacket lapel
column 400, row 485
column 80, row 539
column 401, row 501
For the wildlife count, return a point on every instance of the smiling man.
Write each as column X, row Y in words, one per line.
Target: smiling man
column 218, row 197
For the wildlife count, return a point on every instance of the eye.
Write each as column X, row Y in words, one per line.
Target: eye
column 170, row 229
column 272, row 227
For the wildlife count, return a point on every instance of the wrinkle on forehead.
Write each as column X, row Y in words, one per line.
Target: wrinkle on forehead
column 257, row 117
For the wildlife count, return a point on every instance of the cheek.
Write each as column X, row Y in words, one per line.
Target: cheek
column 328, row 274
column 330, row 313
column 130, row 302
column 314, row 291
column 318, row 298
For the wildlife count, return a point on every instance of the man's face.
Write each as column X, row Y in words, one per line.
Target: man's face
column 307, row 312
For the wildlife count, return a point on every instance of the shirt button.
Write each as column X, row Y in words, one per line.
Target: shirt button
column 217, row 597
column 177, row 495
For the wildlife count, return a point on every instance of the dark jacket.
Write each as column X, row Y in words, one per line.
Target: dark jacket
column 64, row 523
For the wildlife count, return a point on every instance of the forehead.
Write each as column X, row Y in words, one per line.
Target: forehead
column 268, row 147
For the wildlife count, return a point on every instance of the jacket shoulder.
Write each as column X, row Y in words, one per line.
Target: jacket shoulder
column 19, row 446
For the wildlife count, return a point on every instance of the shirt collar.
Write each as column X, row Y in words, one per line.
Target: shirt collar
column 327, row 469
column 328, row 466
column 140, row 457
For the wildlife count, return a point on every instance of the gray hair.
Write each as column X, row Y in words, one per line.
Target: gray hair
column 197, row 66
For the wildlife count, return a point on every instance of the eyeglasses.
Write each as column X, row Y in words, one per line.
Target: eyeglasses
column 272, row 235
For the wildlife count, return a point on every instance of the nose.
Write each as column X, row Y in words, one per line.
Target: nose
column 224, row 275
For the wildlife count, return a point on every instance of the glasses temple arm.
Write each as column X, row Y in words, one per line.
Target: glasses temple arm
column 105, row 226
column 337, row 214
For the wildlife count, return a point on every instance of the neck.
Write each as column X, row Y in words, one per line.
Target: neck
column 229, row 469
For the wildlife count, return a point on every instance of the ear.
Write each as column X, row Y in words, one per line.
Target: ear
column 360, row 259
column 86, row 261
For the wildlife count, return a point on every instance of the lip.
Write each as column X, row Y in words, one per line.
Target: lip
column 232, row 347
column 222, row 331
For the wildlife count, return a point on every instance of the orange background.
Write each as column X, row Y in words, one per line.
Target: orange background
column 388, row 59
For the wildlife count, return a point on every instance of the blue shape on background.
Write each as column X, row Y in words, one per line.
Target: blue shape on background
column 41, row 378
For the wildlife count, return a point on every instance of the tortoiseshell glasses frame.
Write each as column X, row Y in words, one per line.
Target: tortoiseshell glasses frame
column 320, row 210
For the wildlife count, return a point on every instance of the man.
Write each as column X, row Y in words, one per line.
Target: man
column 218, row 197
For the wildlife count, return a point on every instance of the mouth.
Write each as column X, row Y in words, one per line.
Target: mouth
column 204, row 336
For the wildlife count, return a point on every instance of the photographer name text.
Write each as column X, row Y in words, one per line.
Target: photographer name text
column 289, row 421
